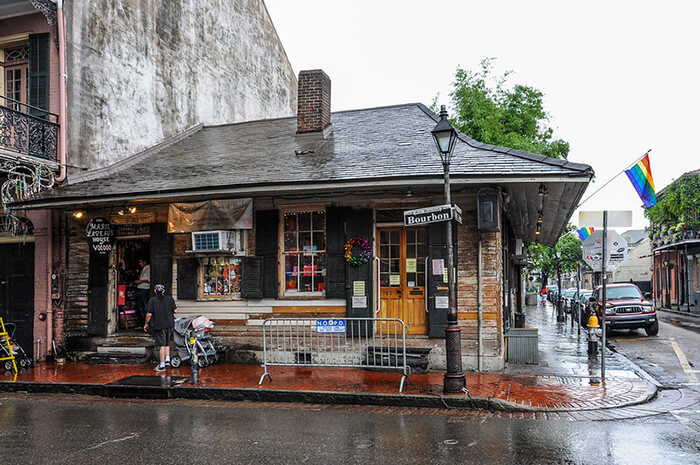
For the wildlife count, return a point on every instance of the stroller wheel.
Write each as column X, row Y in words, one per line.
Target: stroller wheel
column 175, row 362
column 8, row 365
column 202, row 362
column 24, row 362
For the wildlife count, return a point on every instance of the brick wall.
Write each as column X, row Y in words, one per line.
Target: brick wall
column 492, row 293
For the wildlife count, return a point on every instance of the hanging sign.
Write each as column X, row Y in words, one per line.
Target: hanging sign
column 100, row 236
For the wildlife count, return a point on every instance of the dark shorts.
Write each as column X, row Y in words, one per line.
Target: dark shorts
column 163, row 337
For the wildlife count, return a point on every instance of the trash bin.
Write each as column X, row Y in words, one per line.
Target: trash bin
column 519, row 320
column 531, row 299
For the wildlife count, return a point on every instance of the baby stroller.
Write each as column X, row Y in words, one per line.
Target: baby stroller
column 197, row 327
column 21, row 357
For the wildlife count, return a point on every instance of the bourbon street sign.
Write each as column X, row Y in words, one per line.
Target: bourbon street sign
column 432, row 215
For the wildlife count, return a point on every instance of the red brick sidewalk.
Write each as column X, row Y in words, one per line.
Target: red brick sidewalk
column 516, row 391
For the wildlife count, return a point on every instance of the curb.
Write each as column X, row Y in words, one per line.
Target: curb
column 435, row 401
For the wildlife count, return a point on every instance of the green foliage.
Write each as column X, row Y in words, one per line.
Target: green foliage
column 678, row 208
column 567, row 253
column 493, row 114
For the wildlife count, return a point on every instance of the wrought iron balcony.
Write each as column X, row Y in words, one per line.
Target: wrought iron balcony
column 28, row 130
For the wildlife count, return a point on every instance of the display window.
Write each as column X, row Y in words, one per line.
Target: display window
column 304, row 252
column 220, row 276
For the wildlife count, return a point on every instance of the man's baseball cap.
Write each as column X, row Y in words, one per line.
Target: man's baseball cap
column 159, row 288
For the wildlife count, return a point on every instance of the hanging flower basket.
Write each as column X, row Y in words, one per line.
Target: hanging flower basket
column 365, row 251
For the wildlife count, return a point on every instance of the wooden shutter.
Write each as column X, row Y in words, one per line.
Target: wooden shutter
column 187, row 278
column 359, row 224
column 335, row 247
column 437, row 249
column 266, row 247
column 39, row 73
column 252, row 278
column 98, row 282
column 161, row 256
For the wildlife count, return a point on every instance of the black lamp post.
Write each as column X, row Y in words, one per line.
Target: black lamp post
column 445, row 137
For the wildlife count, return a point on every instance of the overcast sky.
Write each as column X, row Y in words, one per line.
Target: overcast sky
column 619, row 77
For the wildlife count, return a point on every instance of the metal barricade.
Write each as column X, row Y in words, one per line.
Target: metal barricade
column 335, row 342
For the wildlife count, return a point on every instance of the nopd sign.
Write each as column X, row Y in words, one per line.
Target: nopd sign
column 432, row 215
column 100, row 236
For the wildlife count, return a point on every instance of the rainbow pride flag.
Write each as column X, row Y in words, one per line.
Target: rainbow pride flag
column 585, row 233
column 640, row 175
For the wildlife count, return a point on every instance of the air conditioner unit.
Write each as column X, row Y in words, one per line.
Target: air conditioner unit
column 218, row 241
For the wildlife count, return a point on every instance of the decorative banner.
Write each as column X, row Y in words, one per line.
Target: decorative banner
column 585, row 233
column 210, row 215
column 100, row 236
column 643, row 182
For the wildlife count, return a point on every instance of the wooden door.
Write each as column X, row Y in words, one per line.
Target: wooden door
column 17, row 291
column 402, row 257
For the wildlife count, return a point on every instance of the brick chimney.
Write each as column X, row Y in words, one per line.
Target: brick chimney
column 314, row 103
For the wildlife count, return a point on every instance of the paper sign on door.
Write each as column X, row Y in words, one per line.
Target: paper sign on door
column 394, row 280
column 411, row 265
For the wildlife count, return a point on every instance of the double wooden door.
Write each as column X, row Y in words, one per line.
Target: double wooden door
column 402, row 275
column 17, row 291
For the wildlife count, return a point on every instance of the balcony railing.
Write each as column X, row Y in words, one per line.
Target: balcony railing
column 28, row 130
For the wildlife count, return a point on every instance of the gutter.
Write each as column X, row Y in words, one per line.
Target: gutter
column 281, row 189
column 63, row 107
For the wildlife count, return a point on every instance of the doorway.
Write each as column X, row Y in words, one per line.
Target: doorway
column 402, row 275
column 17, row 291
column 129, row 307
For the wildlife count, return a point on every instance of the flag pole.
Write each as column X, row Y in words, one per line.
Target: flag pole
column 613, row 178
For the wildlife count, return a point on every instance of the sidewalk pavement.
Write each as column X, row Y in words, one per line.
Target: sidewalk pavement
column 563, row 381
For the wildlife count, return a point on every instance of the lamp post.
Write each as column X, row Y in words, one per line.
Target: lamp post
column 445, row 138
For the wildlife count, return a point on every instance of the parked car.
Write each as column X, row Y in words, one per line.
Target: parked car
column 626, row 308
column 569, row 297
column 582, row 303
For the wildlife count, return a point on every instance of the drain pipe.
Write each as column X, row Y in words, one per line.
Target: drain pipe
column 479, row 307
column 62, row 116
column 49, row 269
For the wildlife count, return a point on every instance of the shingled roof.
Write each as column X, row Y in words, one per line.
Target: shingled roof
column 372, row 145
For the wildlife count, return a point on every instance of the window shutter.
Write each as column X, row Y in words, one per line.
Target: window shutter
column 39, row 74
column 360, row 224
column 252, row 278
column 335, row 248
column 266, row 247
column 437, row 249
column 161, row 256
column 187, row 278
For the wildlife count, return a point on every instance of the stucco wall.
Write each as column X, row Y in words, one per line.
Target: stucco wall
column 141, row 71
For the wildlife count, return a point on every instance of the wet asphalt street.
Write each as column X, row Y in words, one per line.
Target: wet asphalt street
column 87, row 430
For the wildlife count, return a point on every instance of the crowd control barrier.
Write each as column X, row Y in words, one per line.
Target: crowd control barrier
column 335, row 342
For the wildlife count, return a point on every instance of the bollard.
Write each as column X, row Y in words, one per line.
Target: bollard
column 593, row 335
column 194, row 363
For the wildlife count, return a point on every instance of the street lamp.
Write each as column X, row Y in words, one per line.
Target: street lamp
column 445, row 138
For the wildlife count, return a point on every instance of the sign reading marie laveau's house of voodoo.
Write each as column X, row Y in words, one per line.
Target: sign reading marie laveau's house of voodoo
column 100, row 236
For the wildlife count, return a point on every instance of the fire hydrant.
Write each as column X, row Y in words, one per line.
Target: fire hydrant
column 593, row 335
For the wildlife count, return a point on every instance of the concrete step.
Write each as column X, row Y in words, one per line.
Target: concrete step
column 124, row 350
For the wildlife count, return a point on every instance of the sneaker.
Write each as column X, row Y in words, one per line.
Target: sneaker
column 159, row 368
column 167, row 363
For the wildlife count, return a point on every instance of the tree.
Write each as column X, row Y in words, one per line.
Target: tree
column 488, row 112
column 567, row 252
column 678, row 207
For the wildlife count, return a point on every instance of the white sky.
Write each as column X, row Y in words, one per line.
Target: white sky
column 619, row 77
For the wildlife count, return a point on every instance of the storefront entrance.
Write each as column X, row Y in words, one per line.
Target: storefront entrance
column 17, row 291
column 403, row 256
column 129, row 305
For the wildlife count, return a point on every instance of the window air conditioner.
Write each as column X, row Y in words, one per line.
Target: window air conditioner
column 218, row 241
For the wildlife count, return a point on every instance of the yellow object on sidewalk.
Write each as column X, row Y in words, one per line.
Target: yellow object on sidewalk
column 593, row 321
column 3, row 334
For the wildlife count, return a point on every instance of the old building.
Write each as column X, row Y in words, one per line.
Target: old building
column 86, row 84
column 303, row 216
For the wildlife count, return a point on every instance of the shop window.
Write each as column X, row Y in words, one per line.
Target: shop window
column 304, row 252
column 220, row 276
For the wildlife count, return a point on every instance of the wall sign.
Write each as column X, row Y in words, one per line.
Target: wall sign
column 123, row 230
column 432, row 215
column 100, row 236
